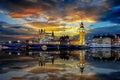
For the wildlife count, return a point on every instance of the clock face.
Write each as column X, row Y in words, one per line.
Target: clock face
column 44, row 47
column 82, row 29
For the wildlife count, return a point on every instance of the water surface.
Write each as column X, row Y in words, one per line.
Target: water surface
column 102, row 64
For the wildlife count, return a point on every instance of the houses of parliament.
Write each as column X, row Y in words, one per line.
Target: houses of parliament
column 65, row 39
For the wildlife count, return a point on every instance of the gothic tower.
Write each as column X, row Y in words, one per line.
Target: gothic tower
column 82, row 34
column 41, row 34
column 52, row 35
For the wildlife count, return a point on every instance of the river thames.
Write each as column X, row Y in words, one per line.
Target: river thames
column 90, row 64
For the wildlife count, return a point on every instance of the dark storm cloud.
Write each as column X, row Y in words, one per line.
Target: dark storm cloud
column 16, row 27
column 13, row 32
column 8, row 29
column 20, row 5
column 4, row 30
column 112, row 15
column 113, row 2
column 54, row 8
column 66, row 10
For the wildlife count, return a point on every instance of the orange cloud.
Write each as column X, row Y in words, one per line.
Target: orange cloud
column 25, row 12
column 19, row 36
column 22, row 36
column 18, row 15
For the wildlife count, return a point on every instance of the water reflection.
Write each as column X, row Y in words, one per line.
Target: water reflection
column 77, row 61
column 97, row 54
column 81, row 64
column 105, row 54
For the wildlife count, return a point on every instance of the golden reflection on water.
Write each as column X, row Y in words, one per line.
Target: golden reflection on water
column 68, row 65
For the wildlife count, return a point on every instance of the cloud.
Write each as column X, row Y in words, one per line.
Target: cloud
column 22, row 37
column 5, row 30
column 115, row 29
column 1, row 11
column 45, row 25
column 112, row 15
column 15, row 31
column 113, row 3
column 35, row 18
column 21, row 8
column 55, row 9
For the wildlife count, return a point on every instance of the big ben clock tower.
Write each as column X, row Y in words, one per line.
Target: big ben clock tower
column 82, row 34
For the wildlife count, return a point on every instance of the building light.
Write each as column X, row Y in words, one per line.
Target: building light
column 30, row 53
column 18, row 54
column 9, row 42
column 9, row 53
column 18, row 41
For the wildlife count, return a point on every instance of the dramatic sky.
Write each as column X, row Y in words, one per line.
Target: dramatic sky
column 21, row 19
